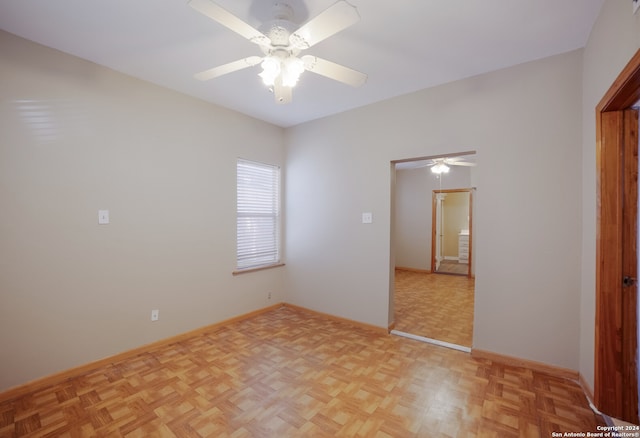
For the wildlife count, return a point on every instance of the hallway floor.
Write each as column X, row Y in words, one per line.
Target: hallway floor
column 436, row 306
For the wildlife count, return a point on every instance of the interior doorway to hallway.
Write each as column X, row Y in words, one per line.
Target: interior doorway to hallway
column 425, row 305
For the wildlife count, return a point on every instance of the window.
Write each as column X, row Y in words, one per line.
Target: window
column 258, row 215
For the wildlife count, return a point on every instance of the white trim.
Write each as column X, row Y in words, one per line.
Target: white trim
column 431, row 341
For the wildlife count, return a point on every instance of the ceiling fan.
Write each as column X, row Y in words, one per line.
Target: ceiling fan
column 441, row 165
column 281, row 41
column 437, row 165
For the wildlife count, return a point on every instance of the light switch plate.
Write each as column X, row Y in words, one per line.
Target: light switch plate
column 103, row 217
column 367, row 218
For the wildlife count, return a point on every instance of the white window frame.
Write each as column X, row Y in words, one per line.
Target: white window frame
column 258, row 235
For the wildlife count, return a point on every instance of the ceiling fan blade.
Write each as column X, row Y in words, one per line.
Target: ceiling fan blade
column 334, row 71
column 228, row 68
column 413, row 165
column 332, row 20
column 227, row 19
column 461, row 163
column 281, row 93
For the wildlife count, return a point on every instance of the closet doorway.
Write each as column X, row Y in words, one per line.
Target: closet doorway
column 428, row 306
column 452, row 232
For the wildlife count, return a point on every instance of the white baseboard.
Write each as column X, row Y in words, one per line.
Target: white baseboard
column 431, row 341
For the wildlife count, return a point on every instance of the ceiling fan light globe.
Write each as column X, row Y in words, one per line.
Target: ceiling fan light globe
column 267, row 80
column 440, row 168
column 293, row 68
column 270, row 70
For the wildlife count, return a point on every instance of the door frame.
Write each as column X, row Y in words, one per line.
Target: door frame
column 615, row 364
column 433, row 226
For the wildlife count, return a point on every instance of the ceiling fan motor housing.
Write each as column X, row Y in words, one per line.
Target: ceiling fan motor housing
column 279, row 30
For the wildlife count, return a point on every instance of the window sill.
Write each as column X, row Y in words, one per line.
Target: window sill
column 259, row 268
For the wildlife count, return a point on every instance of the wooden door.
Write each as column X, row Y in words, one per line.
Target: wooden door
column 616, row 372
column 630, row 266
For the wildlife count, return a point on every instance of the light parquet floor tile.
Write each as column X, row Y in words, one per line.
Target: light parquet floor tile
column 436, row 306
column 286, row 373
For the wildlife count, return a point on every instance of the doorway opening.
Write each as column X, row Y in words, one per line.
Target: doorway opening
column 424, row 305
column 452, row 232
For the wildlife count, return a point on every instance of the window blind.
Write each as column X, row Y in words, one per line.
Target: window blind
column 258, row 214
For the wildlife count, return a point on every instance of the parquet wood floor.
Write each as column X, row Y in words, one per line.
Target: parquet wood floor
column 288, row 373
column 435, row 306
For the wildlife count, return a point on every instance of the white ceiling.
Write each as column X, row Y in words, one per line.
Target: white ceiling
column 403, row 45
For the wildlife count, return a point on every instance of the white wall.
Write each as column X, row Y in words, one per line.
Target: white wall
column 525, row 123
column 75, row 138
column 413, row 192
column 613, row 41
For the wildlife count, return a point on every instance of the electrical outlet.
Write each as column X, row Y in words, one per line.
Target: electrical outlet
column 269, row 296
column 155, row 315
